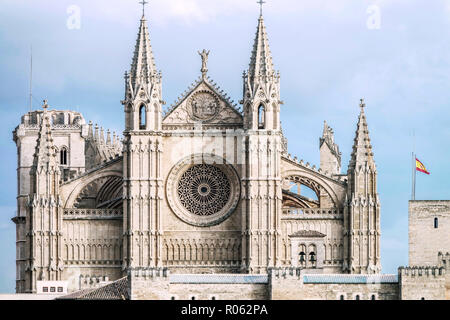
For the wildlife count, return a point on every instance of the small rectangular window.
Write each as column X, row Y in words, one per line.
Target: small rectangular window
column 45, row 289
column 52, row 289
column 60, row 289
column 436, row 223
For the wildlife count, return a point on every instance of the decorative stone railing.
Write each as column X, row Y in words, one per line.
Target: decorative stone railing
column 313, row 213
column 55, row 126
column 92, row 214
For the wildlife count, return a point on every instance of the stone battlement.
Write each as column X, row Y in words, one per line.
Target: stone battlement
column 419, row 271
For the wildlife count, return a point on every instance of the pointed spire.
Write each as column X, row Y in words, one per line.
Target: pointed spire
column 362, row 149
column 261, row 61
column 45, row 149
column 143, row 66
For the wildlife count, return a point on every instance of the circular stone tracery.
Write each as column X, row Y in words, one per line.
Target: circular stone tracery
column 204, row 190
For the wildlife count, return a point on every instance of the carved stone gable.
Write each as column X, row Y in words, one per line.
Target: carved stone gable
column 205, row 105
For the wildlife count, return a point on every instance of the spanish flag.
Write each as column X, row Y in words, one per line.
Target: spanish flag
column 420, row 167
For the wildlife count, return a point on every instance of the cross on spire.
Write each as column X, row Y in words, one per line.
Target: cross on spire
column 261, row 3
column 143, row 2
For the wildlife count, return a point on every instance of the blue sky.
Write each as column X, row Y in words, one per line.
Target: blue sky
column 328, row 57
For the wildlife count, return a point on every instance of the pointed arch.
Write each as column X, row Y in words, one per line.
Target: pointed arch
column 143, row 117
column 63, row 156
column 261, row 116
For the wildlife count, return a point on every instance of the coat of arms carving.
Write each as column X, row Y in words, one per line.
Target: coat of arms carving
column 204, row 106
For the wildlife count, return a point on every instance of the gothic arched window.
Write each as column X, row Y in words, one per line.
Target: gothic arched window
column 63, row 156
column 261, row 117
column 436, row 223
column 142, row 117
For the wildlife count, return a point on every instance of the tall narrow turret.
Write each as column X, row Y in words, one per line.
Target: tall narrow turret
column 143, row 187
column 264, row 140
column 362, row 218
column 45, row 220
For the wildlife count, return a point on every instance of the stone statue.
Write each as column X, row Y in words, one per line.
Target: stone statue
column 204, row 54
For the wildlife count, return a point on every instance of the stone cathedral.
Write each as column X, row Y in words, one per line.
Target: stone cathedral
column 196, row 194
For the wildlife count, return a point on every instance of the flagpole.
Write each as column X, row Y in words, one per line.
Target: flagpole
column 31, row 78
column 413, row 195
column 413, row 192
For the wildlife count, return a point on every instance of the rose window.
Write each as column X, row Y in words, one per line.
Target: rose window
column 203, row 190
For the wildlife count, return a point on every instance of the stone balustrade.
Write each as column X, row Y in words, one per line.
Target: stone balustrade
column 89, row 214
column 312, row 213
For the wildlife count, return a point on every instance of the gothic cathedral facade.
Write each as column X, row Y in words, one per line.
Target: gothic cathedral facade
column 202, row 187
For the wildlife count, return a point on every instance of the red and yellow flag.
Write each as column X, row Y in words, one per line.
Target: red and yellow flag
column 420, row 167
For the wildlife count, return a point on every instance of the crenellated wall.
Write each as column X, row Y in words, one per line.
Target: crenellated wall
column 422, row 283
column 279, row 284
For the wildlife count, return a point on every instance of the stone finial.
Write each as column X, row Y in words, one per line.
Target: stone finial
column 102, row 136
column 90, row 131
column 108, row 137
column 96, row 134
